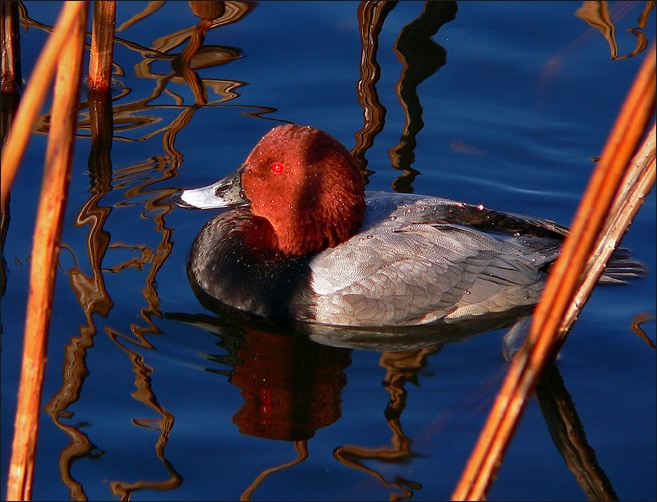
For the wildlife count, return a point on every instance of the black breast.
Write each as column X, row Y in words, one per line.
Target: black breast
column 231, row 260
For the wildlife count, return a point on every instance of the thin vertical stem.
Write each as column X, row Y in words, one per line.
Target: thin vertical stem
column 34, row 96
column 44, row 258
column 102, row 46
column 11, row 77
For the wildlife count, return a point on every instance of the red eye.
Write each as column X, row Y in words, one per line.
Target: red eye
column 277, row 168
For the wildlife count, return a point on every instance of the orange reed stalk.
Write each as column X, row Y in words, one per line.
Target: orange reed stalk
column 102, row 46
column 35, row 93
column 44, row 257
column 639, row 180
column 547, row 334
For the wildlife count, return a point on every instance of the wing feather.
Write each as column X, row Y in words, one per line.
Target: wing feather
column 418, row 273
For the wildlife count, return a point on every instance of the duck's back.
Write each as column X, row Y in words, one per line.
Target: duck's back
column 419, row 259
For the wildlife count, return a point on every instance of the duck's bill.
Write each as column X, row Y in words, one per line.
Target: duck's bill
column 227, row 192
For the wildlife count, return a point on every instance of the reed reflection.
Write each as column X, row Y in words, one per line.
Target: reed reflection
column 94, row 299
column 10, row 83
column 140, row 115
column 569, row 436
column 91, row 294
column 371, row 16
column 9, row 101
column 598, row 16
column 194, row 55
column 421, row 57
column 401, row 367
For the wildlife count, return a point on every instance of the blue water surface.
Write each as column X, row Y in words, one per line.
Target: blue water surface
column 149, row 395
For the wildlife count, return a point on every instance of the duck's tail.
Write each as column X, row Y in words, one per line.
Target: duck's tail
column 622, row 268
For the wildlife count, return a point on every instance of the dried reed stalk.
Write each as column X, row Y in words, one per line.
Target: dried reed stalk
column 548, row 331
column 44, row 255
column 102, row 46
column 637, row 183
column 35, row 94
column 10, row 80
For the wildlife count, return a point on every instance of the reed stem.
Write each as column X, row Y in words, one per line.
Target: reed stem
column 102, row 46
column 11, row 78
column 44, row 256
column 547, row 332
column 35, row 94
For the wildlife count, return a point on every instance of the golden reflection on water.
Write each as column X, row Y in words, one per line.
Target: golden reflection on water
column 599, row 17
column 401, row 367
column 284, row 410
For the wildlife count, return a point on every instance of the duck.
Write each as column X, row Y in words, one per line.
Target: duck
column 301, row 240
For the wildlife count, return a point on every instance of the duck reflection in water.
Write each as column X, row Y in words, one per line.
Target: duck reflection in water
column 292, row 386
column 291, row 383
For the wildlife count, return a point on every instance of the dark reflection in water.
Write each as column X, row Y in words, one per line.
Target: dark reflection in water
column 569, row 437
column 91, row 292
column 401, row 367
column 421, row 57
column 371, row 16
column 291, row 387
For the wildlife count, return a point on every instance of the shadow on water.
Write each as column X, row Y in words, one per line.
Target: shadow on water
column 291, row 380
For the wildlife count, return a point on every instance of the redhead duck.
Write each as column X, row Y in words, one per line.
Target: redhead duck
column 303, row 241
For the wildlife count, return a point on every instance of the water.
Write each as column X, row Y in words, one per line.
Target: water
column 505, row 108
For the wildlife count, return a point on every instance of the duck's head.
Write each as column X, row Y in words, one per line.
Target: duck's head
column 302, row 181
